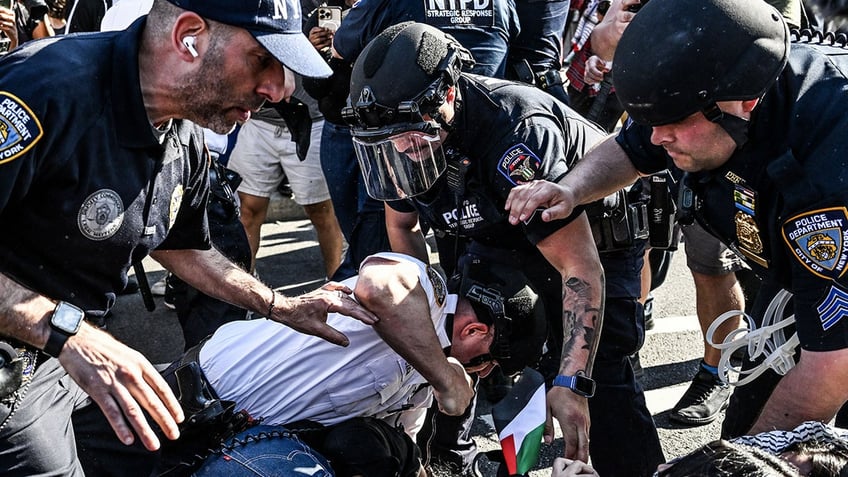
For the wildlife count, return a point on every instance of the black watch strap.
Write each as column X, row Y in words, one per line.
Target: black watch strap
column 64, row 323
column 55, row 342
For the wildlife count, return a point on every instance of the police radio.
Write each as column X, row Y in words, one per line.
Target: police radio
column 661, row 213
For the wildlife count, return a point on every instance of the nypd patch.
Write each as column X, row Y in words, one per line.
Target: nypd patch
column 440, row 289
column 19, row 128
column 519, row 164
column 819, row 240
column 833, row 308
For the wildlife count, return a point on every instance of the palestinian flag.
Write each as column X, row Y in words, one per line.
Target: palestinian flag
column 520, row 421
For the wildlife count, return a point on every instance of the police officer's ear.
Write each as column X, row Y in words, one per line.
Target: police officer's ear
column 749, row 105
column 186, row 36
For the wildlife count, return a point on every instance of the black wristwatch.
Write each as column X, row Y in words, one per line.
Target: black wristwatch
column 64, row 323
column 580, row 385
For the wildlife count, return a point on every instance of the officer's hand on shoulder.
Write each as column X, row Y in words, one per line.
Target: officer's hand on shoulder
column 525, row 200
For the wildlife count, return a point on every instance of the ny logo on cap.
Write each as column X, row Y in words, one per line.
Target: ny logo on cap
column 280, row 10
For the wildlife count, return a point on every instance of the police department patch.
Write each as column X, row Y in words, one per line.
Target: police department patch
column 101, row 215
column 819, row 240
column 19, row 128
column 519, row 164
column 440, row 290
column 833, row 308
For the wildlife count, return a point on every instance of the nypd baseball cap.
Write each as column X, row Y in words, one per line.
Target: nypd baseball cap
column 276, row 25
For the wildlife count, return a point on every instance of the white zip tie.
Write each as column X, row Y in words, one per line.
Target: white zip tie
column 768, row 340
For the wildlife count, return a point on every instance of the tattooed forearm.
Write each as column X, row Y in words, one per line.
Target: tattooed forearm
column 582, row 312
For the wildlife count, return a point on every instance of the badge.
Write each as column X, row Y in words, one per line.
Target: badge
column 833, row 308
column 747, row 231
column 101, row 215
column 748, row 236
column 519, row 164
column 818, row 240
column 19, row 128
column 440, row 289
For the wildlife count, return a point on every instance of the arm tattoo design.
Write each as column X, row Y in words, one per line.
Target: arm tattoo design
column 580, row 320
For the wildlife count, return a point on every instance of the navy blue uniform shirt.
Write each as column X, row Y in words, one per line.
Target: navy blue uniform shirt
column 780, row 200
column 509, row 133
column 86, row 188
column 542, row 28
column 485, row 27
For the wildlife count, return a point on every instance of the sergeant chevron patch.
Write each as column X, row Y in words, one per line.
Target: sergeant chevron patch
column 833, row 308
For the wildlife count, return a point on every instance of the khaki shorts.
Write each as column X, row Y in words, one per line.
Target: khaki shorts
column 264, row 153
column 706, row 254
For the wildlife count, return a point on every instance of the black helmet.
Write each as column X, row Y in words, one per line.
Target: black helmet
column 503, row 296
column 678, row 57
column 402, row 73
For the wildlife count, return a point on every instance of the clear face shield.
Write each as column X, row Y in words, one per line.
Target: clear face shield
column 399, row 162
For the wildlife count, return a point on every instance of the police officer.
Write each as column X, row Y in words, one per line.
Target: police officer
column 535, row 55
column 759, row 128
column 95, row 181
column 486, row 27
column 452, row 145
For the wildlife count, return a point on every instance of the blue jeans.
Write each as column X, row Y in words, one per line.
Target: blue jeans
column 265, row 451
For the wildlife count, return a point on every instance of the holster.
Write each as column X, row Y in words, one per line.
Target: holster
column 222, row 184
column 616, row 223
column 208, row 419
column 524, row 72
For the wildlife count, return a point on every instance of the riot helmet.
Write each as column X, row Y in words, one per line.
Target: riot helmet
column 678, row 57
column 397, row 85
column 503, row 296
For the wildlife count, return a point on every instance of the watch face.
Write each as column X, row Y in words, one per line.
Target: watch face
column 584, row 386
column 67, row 318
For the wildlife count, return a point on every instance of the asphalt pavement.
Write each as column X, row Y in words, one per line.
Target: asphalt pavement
column 289, row 260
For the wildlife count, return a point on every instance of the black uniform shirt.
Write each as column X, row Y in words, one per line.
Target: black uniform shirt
column 781, row 200
column 508, row 134
column 86, row 188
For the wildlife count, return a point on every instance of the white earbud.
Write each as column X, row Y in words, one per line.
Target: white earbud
column 188, row 42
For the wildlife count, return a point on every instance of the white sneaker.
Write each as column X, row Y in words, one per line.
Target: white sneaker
column 158, row 288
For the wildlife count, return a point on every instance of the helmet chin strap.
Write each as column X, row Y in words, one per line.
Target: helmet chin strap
column 735, row 126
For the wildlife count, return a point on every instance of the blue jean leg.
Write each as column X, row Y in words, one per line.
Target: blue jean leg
column 265, row 451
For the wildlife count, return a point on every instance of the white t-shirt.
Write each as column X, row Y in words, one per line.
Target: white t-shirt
column 283, row 376
column 122, row 13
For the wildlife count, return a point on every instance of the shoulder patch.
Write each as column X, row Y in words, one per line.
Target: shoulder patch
column 819, row 240
column 519, row 164
column 833, row 308
column 19, row 128
column 440, row 289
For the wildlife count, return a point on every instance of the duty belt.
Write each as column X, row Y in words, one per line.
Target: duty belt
column 550, row 78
